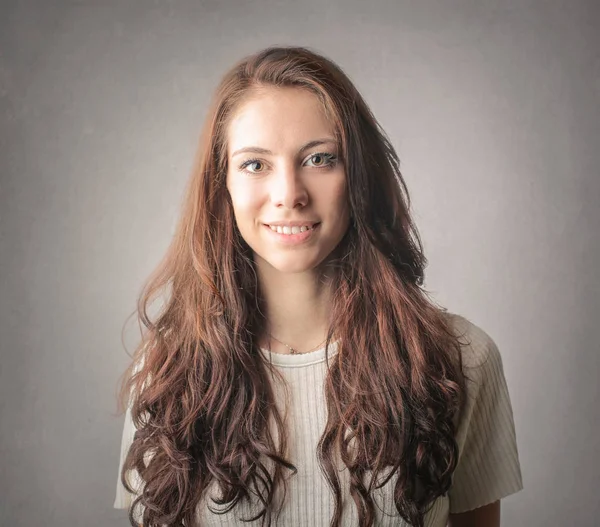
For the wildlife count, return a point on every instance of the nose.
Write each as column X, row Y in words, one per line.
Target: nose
column 288, row 189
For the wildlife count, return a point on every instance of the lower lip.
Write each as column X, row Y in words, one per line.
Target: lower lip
column 292, row 239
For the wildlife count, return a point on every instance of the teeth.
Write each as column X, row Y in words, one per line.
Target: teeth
column 289, row 230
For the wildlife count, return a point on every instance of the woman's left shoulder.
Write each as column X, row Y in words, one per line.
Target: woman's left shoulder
column 478, row 347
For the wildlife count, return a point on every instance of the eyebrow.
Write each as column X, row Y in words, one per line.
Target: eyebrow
column 258, row 150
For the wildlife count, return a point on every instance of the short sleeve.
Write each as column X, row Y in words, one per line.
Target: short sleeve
column 488, row 467
column 123, row 498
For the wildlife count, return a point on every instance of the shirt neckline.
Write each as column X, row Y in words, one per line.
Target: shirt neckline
column 301, row 359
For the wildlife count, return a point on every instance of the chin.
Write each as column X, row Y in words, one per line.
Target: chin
column 292, row 266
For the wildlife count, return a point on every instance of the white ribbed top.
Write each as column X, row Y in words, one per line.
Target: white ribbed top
column 488, row 467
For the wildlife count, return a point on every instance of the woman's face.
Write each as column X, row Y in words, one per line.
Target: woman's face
column 283, row 171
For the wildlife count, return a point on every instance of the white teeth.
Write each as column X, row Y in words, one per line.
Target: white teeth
column 289, row 230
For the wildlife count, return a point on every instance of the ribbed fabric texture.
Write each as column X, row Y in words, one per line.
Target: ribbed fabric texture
column 488, row 468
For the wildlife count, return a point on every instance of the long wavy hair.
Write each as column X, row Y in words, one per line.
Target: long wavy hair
column 198, row 387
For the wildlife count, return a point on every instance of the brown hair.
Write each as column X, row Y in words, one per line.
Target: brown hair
column 198, row 385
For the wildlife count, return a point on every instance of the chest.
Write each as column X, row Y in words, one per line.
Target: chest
column 309, row 501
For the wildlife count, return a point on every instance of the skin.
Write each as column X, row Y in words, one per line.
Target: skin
column 288, row 184
column 487, row 516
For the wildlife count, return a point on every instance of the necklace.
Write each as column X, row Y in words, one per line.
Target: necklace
column 294, row 351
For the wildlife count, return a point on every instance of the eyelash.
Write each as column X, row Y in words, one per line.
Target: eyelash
column 331, row 158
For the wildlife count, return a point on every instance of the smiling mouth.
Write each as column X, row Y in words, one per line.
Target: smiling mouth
column 291, row 230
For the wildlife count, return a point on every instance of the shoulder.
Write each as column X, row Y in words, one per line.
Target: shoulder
column 488, row 464
column 479, row 350
column 482, row 365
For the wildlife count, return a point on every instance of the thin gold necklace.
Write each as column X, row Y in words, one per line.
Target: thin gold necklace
column 294, row 351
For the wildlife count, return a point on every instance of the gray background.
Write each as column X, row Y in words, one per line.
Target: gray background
column 493, row 107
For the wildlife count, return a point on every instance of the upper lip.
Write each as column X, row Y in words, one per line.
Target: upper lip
column 308, row 223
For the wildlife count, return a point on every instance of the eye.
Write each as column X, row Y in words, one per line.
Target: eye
column 322, row 159
column 251, row 162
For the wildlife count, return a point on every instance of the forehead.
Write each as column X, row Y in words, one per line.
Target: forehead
column 278, row 119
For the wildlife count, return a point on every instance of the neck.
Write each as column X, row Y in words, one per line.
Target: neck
column 297, row 309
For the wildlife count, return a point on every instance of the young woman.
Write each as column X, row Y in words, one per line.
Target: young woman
column 298, row 373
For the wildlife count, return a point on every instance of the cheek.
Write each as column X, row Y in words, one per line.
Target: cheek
column 339, row 194
column 245, row 200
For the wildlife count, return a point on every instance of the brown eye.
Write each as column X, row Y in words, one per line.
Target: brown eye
column 322, row 159
column 251, row 162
